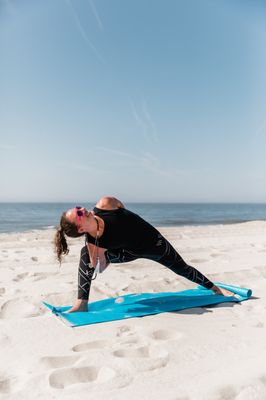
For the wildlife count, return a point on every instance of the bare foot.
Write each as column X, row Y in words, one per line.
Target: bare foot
column 224, row 292
column 81, row 305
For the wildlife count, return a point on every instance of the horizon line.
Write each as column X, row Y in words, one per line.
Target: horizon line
column 137, row 202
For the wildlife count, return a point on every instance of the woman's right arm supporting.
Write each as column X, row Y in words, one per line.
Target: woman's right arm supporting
column 85, row 274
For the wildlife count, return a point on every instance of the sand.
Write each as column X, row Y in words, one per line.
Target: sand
column 210, row 353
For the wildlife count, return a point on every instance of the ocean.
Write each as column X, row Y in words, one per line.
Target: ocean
column 20, row 217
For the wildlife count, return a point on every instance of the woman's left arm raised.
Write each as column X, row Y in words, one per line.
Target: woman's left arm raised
column 109, row 203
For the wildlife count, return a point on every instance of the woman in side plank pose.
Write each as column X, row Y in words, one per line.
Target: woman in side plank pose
column 116, row 235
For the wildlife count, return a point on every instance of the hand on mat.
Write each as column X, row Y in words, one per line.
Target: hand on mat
column 81, row 305
column 224, row 292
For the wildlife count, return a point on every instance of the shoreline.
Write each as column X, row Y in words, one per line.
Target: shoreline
column 201, row 225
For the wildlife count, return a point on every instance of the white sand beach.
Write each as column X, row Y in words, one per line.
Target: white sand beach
column 208, row 353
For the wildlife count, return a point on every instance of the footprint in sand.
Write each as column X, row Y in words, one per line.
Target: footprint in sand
column 127, row 335
column 198, row 260
column 20, row 277
column 60, row 298
column 263, row 379
column 138, row 278
column 252, row 391
column 37, row 276
column 215, row 255
column 140, row 352
column 20, row 308
column 8, row 385
column 259, row 325
column 65, row 377
column 59, row 362
column 227, row 393
column 144, row 358
column 89, row 375
column 94, row 345
column 5, row 385
column 143, row 351
column 132, row 339
column 125, row 330
column 183, row 398
column 163, row 334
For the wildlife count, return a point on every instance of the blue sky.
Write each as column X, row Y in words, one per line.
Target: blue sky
column 146, row 100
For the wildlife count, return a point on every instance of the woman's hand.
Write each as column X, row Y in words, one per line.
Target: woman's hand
column 81, row 305
column 224, row 292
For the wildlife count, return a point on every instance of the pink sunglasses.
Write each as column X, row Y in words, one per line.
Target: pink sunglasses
column 79, row 213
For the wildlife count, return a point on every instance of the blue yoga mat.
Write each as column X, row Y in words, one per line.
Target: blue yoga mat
column 139, row 305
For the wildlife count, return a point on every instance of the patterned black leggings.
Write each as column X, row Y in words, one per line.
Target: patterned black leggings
column 161, row 251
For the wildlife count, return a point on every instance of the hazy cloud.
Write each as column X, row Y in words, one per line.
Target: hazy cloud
column 147, row 161
column 119, row 153
column 96, row 14
column 92, row 169
column 145, row 122
column 82, row 30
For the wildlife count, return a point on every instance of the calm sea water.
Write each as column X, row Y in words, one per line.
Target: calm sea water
column 19, row 217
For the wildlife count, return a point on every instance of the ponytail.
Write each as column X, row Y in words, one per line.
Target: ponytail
column 60, row 243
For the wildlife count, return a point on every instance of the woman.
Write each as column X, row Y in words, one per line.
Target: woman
column 117, row 235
